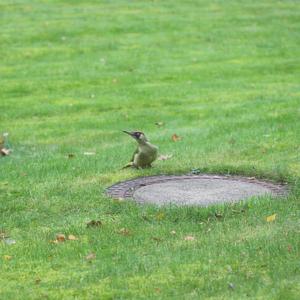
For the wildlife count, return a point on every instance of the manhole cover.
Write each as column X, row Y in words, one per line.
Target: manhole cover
column 193, row 189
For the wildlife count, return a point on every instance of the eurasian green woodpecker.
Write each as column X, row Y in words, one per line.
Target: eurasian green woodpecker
column 145, row 153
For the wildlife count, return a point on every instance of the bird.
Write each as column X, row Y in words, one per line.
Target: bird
column 145, row 154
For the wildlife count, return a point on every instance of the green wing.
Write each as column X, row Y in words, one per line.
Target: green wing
column 130, row 164
column 134, row 153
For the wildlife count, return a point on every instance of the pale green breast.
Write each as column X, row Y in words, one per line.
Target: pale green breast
column 146, row 155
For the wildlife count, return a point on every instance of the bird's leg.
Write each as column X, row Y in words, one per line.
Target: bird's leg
column 147, row 166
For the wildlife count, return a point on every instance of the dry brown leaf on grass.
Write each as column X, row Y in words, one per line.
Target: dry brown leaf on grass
column 90, row 256
column 5, row 151
column 72, row 237
column 60, row 238
column 94, row 223
column 189, row 238
column 176, row 138
column 271, row 218
column 165, row 157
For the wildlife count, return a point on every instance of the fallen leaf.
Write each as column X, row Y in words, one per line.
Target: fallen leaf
column 164, row 157
column 5, row 151
column 72, row 237
column 173, row 232
column 89, row 153
column 7, row 257
column 271, row 218
column 176, row 138
column 54, row 242
column 159, row 124
column 94, row 223
column 124, row 231
column 189, row 238
column 90, row 256
column 60, row 237
column 71, row 155
column 9, row 241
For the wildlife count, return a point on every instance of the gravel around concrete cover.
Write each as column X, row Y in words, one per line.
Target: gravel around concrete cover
column 198, row 191
column 193, row 189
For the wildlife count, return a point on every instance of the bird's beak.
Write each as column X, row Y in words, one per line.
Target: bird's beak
column 127, row 132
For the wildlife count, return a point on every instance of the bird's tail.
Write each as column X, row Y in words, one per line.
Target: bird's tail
column 129, row 165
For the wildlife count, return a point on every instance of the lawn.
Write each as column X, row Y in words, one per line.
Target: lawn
column 222, row 75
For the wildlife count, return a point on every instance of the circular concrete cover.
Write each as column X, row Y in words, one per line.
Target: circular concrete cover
column 193, row 189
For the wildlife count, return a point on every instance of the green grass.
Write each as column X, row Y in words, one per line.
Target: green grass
column 224, row 75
